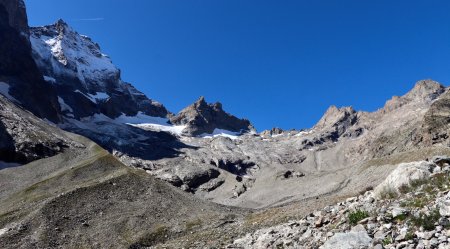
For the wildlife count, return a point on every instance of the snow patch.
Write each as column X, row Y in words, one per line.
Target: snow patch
column 4, row 90
column 222, row 133
column 95, row 98
column 174, row 129
column 147, row 122
column 64, row 106
column 304, row 133
column 142, row 118
column 50, row 79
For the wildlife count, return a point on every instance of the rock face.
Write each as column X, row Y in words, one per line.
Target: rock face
column 203, row 118
column 25, row 138
column 19, row 75
column 436, row 126
column 85, row 79
column 17, row 15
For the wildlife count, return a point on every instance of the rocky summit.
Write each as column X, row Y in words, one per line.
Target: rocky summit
column 89, row 161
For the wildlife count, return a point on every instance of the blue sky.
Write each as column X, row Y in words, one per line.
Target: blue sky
column 277, row 63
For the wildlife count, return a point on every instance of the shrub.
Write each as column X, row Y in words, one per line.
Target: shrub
column 388, row 193
column 356, row 216
column 426, row 221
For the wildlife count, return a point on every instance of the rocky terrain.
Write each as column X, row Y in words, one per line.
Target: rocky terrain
column 410, row 209
column 203, row 178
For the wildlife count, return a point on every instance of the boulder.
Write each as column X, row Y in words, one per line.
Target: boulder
column 350, row 240
column 403, row 175
column 441, row 160
column 444, row 205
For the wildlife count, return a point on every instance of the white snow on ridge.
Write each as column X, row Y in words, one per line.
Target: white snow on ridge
column 142, row 118
column 222, row 133
column 174, row 129
column 304, row 133
column 95, row 98
column 4, row 90
column 146, row 122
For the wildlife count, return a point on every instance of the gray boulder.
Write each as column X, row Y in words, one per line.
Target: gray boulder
column 403, row 175
column 348, row 240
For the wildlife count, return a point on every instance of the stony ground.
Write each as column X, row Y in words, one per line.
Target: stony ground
column 413, row 215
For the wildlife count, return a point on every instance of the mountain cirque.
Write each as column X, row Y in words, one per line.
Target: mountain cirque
column 231, row 186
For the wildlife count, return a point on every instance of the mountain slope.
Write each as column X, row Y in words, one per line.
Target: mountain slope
column 83, row 197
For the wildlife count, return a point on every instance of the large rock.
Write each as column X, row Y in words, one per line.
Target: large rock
column 403, row 175
column 25, row 138
column 203, row 118
column 444, row 205
column 350, row 240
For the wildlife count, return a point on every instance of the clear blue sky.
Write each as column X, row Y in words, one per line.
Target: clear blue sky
column 277, row 63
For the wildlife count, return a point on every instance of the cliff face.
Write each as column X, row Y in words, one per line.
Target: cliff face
column 17, row 14
column 19, row 75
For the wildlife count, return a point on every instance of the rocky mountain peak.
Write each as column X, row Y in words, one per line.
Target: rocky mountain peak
column 87, row 81
column 200, row 103
column 426, row 90
column 201, row 118
column 423, row 91
column 335, row 115
column 72, row 55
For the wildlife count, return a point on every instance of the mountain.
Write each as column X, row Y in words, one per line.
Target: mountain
column 85, row 80
column 86, row 160
column 203, row 118
column 59, row 189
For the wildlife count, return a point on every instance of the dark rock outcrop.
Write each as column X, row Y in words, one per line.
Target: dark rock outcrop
column 25, row 138
column 203, row 118
column 18, row 71
column 17, row 15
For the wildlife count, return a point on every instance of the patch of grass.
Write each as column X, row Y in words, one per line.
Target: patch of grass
column 388, row 194
column 190, row 225
column 416, row 202
column 401, row 218
column 409, row 236
column 158, row 235
column 356, row 216
column 387, row 241
column 426, row 221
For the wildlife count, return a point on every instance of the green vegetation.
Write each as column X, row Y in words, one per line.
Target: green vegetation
column 388, row 194
column 159, row 234
column 356, row 216
column 426, row 221
column 190, row 225
column 409, row 236
column 387, row 241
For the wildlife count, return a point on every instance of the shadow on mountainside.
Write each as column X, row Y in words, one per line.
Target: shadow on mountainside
column 133, row 141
